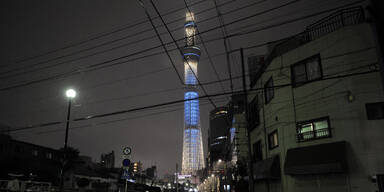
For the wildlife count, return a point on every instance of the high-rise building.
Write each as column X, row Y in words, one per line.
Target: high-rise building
column 219, row 125
column 108, row 160
column 193, row 156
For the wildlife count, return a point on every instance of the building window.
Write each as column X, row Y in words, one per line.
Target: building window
column 375, row 111
column 35, row 153
column 253, row 113
column 255, row 63
column 257, row 151
column 313, row 129
column 273, row 140
column 48, row 155
column 306, row 71
column 269, row 92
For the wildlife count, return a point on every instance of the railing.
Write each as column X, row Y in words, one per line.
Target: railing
column 24, row 186
column 335, row 21
column 315, row 134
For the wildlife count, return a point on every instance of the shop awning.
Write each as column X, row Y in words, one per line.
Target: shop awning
column 316, row 159
column 267, row 169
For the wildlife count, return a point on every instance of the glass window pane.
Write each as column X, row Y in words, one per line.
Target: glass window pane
column 275, row 139
column 321, row 128
column 321, row 125
column 313, row 69
column 306, row 128
column 299, row 73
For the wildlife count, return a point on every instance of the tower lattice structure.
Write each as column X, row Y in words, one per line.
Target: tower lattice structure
column 193, row 155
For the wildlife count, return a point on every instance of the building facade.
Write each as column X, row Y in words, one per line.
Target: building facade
column 108, row 160
column 193, row 155
column 317, row 124
column 219, row 125
column 28, row 160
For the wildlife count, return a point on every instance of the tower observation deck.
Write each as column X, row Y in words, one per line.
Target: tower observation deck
column 193, row 155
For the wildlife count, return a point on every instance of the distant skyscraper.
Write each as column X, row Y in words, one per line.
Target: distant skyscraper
column 193, row 155
column 108, row 160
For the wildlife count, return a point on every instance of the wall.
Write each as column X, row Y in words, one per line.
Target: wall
column 348, row 50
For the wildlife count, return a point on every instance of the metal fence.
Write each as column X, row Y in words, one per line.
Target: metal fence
column 24, row 186
column 310, row 135
column 335, row 21
column 331, row 23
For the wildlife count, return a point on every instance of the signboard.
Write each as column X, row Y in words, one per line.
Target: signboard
column 127, row 151
column 125, row 174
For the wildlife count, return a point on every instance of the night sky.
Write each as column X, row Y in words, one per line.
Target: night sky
column 31, row 28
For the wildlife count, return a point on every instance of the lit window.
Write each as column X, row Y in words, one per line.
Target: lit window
column 221, row 112
column 49, row 155
column 273, row 140
column 306, row 70
column 313, row 129
column 269, row 92
column 35, row 153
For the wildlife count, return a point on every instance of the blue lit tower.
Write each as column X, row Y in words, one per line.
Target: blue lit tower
column 193, row 156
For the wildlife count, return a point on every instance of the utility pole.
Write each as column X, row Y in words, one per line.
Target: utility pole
column 245, row 95
column 177, row 179
column 378, row 25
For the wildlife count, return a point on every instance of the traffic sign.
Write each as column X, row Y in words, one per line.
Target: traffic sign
column 125, row 174
column 127, row 151
column 126, row 162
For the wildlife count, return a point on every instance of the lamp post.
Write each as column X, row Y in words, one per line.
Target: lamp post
column 70, row 94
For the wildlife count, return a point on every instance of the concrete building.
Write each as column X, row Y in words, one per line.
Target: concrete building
column 28, row 160
column 108, row 160
column 317, row 125
column 237, row 145
column 219, row 125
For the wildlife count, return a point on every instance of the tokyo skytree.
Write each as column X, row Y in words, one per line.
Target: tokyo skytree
column 193, row 155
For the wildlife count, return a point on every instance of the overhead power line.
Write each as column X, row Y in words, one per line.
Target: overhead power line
column 99, row 65
column 161, row 41
column 184, row 100
column 98, row 36
column 33, row 65
column 9, row 73
column 181, row 54
column 126, row 119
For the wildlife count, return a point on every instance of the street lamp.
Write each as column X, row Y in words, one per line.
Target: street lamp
column 70, row 93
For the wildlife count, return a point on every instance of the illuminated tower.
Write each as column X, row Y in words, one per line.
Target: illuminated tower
column 193, row 155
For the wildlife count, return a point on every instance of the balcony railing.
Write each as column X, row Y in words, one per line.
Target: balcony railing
column 335, row 21
column 315, row 134
column 331, row 23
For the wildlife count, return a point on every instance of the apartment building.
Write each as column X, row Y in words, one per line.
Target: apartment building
column 317, row 110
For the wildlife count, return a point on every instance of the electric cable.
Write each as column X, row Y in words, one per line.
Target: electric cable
column 229, row 36
column 98, row 36
column 8, row 75
column 96, row 46
column 183, row 100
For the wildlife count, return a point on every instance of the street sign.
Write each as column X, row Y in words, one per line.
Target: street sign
column 127, row 151
column 126, row 162
column 125, row 174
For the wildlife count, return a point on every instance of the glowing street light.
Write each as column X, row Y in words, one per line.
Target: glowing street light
column 70, row 93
